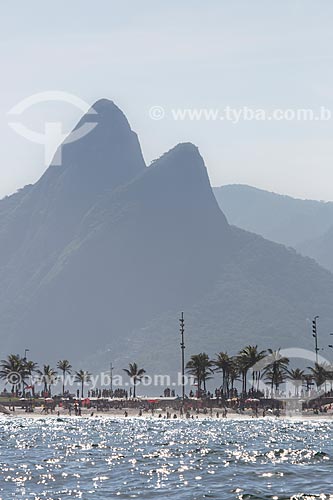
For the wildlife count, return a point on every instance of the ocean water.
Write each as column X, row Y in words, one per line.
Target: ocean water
column 136, row 458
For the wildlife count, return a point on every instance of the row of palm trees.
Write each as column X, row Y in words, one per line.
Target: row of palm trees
column 269, row 365
column 18, row 371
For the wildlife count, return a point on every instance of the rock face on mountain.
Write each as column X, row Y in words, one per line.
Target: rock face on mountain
column 99, row 257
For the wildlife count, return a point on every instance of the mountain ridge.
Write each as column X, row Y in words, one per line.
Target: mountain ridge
column 305, row 225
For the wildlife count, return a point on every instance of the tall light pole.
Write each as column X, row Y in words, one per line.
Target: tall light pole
column 182, row 346
column 315, row 336
column 25, row 354
column 111, row 388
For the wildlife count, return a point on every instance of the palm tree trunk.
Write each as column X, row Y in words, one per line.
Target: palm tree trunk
column 244, row 373
column 258, row 380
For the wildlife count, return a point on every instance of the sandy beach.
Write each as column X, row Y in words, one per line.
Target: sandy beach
column 161, row 415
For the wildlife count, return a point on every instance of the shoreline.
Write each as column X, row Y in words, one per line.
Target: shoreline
column 133, row 414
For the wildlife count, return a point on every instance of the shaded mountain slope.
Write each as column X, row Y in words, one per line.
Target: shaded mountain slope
column 282, row 219
column 320, row 248
column 135, row 255
column 42, row 219
column 265, row 294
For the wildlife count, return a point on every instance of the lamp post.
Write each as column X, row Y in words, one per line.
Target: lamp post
column 111, row 387
column 25, row 354
column 182, row 346
column 315, row 336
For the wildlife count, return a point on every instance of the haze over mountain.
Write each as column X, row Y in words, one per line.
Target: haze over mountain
column 99, row 257
column 306, row 225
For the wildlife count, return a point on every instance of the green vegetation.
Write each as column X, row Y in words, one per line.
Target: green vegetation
column 250, row 364
column 66, row 368
column 82, row 377
column 136, row 375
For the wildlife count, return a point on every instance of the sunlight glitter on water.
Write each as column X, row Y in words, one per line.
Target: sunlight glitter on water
column 101, row 458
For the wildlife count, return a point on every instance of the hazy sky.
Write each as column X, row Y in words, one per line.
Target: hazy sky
column 198, row 54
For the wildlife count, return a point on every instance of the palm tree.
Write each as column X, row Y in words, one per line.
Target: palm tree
column 233, row 373
column 330, row 374
column 223, row 364
column 319, row 373
column 275, row 376
column 13, row 371
column 200, row 366
column 30, row 368
column 82, row 377
column 308, row 378
column 247, row 358
column 297, row 377
column 65, row 366
column 136, row 375
column 276, row 367
column 48, row 377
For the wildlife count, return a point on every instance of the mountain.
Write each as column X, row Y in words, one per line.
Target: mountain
column 37, row 223
column 104, row 159
column 99, row 257
column 306, row 225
